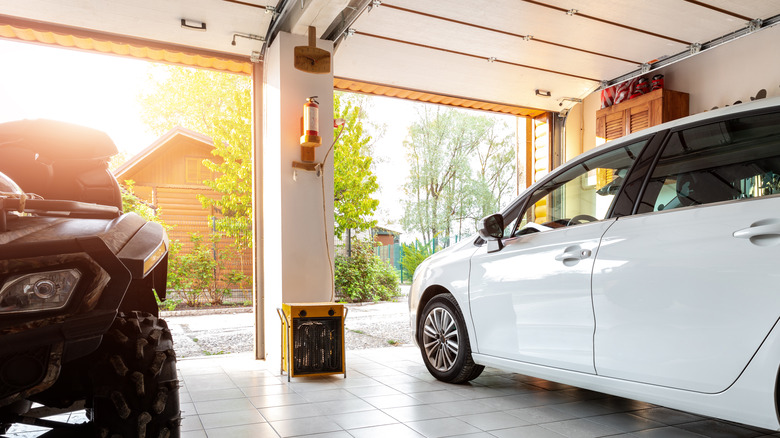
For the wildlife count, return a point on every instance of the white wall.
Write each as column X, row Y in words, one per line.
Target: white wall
column 297, row 241
column 575, row 124
column 716, row 77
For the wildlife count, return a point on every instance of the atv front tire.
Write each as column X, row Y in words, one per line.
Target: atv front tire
column 136, row 391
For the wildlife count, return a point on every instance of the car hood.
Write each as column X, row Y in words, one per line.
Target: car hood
column 114, row 232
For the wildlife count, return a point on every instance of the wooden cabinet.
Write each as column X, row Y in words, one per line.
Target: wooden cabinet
column 647, row 110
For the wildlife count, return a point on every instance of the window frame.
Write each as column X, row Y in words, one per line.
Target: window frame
column 670, row 133
column 519, row 205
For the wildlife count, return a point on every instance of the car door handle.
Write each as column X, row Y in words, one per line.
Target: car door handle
column 769, row 230
column 573, row 255
column 761, row 233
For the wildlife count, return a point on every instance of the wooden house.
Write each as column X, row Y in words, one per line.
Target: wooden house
column 169, row 175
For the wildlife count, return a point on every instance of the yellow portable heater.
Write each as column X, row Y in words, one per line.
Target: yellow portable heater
column 313, row 339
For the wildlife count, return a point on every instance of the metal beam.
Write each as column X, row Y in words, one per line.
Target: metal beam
column 601, row 20
column 695, row 49
column 337, row 31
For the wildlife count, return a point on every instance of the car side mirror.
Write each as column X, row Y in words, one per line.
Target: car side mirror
column 491, row 228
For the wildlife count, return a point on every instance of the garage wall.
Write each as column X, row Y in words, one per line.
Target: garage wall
column 575, row 124
column 718, row 77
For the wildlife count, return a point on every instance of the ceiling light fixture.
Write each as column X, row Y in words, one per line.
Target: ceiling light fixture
column 491, row 59
column 571, row 12
column 193, row 25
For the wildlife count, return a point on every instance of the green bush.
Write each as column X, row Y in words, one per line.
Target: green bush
column 413, row 255
column 193, row 273
column 364, row 276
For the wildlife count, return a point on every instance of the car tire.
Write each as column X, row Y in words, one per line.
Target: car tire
column 444, row 341
column 136, row 390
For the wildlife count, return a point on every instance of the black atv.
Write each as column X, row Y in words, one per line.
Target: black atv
column 79, row 327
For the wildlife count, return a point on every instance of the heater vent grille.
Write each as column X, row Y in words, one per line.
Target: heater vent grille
column 317, row 345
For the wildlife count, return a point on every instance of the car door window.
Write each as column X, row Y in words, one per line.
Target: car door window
column 581, row 194
column 725, row 161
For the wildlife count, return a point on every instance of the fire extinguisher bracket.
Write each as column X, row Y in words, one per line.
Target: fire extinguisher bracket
column 311, row 141
column 311, row 167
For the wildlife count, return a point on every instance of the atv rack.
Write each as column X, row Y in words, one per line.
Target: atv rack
column 56, row 208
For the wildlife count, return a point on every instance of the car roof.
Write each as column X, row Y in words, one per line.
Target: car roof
column 614, row 144
column 696, row 118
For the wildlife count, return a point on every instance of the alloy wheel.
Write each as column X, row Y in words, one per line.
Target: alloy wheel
column 440, row 339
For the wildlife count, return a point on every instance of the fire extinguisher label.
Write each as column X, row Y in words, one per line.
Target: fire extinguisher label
column 310, row 121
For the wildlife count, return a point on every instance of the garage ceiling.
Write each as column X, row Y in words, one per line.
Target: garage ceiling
column 497, row 53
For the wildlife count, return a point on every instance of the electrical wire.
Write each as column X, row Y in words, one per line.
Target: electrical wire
column 325, row 217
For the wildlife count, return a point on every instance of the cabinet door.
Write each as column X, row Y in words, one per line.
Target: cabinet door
column 615, row 126
column 638, row 118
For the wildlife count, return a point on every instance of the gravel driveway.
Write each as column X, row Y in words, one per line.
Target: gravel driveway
column 368, row 325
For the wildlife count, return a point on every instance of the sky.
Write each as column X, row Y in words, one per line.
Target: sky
column 89, row 89
column 101, row 91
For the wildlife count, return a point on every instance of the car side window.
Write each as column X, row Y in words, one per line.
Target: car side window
column 581, row 194
column 724, row 161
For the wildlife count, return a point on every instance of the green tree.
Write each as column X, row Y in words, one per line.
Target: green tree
column 461, row 168
column 132, row 203
column 354, row 181
column 492, row 182
column 438, row 147
column 219, row 106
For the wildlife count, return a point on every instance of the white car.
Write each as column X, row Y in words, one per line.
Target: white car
column 647, row 268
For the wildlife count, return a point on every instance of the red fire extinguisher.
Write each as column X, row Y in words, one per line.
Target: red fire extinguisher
column 310, row 135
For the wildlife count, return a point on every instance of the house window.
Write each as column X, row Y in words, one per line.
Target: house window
column 196, row 172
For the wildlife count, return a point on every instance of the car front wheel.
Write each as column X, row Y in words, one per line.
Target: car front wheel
column 444, row 342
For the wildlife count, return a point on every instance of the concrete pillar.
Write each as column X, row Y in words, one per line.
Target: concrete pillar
column 296, row 214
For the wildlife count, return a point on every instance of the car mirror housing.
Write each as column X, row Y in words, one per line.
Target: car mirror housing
column 491, row 228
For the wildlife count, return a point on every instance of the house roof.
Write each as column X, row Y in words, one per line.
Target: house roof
column 162, row 142
column 385, row 231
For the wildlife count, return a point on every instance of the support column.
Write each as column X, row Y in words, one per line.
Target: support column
column 297, row 205
column 258, row 298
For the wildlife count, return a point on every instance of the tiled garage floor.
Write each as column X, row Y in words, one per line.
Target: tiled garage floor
column 389, row 393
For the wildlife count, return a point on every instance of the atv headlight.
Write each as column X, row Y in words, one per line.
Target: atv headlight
column 38, row 291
